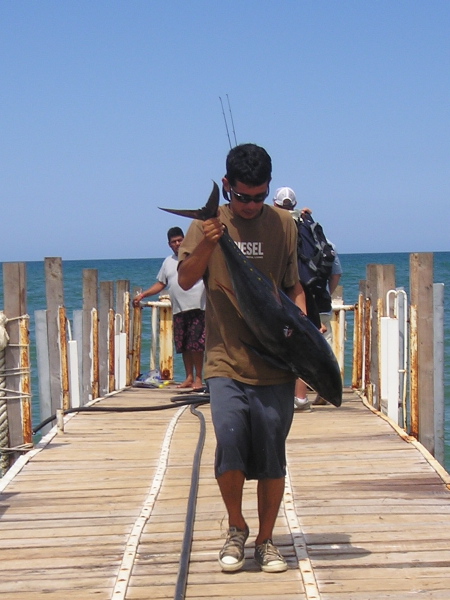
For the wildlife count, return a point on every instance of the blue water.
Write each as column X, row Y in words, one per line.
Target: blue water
column 142, row 273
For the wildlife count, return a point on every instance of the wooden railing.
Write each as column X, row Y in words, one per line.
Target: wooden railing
column 99, row 351
column 398, row 358
column 79, row 359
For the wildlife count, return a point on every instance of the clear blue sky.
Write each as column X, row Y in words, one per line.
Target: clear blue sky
column 110, row 108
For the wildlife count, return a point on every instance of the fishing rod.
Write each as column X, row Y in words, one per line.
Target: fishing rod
column 232, row 122
column 225, row 119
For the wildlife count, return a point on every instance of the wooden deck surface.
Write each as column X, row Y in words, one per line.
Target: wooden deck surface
column 99, row 511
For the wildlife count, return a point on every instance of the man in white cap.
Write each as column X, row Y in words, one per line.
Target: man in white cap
column 285, row 198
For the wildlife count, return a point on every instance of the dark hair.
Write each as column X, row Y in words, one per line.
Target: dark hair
column 174, row 232
column 249, row 164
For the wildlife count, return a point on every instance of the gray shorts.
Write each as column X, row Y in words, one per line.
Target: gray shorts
column 251, row 423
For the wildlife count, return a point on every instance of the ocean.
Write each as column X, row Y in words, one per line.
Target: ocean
column 142, row 273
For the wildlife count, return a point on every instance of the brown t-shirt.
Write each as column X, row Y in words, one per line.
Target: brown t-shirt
column 270, row 242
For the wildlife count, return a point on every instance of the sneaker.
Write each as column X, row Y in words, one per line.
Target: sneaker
column 231, row 557
column 269, row 558
column 319, row 401
column 301, row 403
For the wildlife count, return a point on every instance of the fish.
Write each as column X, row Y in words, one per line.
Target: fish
column 287, row 338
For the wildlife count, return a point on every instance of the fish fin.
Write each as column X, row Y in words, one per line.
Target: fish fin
column 275, row 290
column 231, row 296
column 207, row 212
column 224, row 288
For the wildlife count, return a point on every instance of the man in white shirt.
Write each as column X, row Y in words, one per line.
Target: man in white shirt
column 188, row 308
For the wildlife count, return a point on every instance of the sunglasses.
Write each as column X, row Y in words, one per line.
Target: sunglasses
column 246, row 199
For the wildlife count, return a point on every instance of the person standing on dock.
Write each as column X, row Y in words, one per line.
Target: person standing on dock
column 188, row 308
column 318, row 300
column 251, row 400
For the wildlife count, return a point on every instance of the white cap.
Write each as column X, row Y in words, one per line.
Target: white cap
column 285, row 197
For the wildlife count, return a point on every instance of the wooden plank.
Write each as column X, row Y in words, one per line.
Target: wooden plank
column 360, row 492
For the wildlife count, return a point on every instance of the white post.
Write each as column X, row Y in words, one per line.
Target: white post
column 389, row 367
column 120, row 354
column 401, row 312
column 74, row 383
column 78, row 338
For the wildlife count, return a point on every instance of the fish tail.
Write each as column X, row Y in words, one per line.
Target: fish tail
column 207, row 212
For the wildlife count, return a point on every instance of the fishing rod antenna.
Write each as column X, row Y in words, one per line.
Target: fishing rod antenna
column 232, row 122
column 225, row 119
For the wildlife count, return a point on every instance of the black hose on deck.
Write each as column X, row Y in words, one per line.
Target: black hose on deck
column 194, row 400
column 180, row 588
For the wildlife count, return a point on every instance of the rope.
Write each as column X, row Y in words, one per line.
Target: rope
column 15, row 397
column 13, row 371
column 4, row 438
column 20, row 448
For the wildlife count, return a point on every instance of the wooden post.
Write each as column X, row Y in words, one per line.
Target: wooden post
column 55, row 298
column 15, row 305
column 358, row 323
column 95, row 381
column 367, row 344
column 380, row 279
column 439, row 372
column 166, row 342
column 136, row 345
column 128, row 330
column 337, row 324
column 62, row 327
column 421, row 284
column 106, row 302
column 90, row 301
column 414, row 371
column 25, row 379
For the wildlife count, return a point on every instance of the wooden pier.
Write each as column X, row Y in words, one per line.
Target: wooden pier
column 99, row 510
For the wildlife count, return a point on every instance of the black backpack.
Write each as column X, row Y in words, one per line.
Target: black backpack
column 315, row 260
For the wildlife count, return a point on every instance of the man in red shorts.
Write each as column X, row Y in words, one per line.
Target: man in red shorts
column 188, row 308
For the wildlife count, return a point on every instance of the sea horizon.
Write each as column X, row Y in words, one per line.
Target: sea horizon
column 388, row 252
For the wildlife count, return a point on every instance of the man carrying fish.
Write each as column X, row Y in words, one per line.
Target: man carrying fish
column 251, row 394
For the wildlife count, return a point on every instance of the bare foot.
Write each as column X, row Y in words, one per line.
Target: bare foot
column 198, row 386
column 187, row 383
